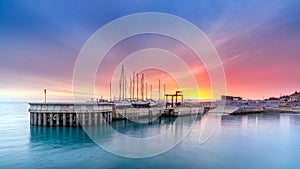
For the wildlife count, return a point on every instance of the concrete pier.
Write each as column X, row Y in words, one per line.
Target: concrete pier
column 51, row 119
column 57, row 119
column 44, row 119
column 31, row 118
column 95, row 118
column 83, row 119
column 89, row 114
column 34, row 119
column 39, row 119
column 77, row 119
column 70, row 114
column 71, row 120
column 64, row 119
column 90, row 119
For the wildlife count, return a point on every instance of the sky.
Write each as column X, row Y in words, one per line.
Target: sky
column 257, row 41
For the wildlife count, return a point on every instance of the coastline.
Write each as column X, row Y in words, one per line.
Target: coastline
column 280, row 110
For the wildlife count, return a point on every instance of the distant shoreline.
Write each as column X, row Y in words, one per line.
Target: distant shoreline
column 280, row 110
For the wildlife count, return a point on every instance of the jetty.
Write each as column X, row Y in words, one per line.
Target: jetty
column 76, row 114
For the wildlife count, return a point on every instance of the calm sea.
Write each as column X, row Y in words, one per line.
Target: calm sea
column 244, row 141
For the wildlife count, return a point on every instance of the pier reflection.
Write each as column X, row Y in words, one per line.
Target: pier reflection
column 251, row 120
column 64, row 136
column 140, row 130
column 58, row 136
column 137, row 140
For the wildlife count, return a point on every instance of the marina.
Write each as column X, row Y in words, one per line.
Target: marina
column 150, row 84
column 141, row 105
column 93, row 113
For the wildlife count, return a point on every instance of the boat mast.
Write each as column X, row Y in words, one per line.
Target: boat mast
column 137, row 86
column 125, row 86
column 142, row 86
column 151, row 91
column 146, row 91
column 133, row 85
column 164, row 88
column 159, row 89
column 130, row 88
column 110, row 91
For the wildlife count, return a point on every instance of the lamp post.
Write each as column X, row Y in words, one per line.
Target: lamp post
column 45, row 92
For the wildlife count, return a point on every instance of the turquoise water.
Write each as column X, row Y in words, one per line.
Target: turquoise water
column 244, row 141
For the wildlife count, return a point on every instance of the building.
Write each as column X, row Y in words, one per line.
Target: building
column 295, row 97
column 273, row 103
column 231, row 98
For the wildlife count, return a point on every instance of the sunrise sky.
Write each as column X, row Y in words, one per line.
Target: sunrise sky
column 257, row 41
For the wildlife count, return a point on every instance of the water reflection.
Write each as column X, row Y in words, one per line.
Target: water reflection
column 259, row 137
column 62, row 136
column 58, row 136
column 244, row 121
column 171, row 127
column 137, row 140
column 209, row 124
column 140, row 130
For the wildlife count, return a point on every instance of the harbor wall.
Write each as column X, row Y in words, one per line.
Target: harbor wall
column 89, row 114
column 70, row 114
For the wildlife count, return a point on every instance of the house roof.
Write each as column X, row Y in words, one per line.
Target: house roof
column 295, row 94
